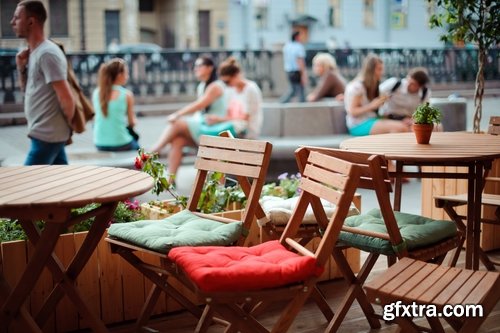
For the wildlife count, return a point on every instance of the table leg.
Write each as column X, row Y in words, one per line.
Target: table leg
column 474, row 192
column 478, row 190
column 65, row 282
column 18, row 295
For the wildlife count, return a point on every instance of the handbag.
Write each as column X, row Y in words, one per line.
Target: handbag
column 133, row 133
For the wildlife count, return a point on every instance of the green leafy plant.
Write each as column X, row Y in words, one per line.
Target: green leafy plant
column 126, row 211
column 287, row 186
column 427, row 114
column 475, row 21
column 10, row 230
column 148, row 162
column 214, row 197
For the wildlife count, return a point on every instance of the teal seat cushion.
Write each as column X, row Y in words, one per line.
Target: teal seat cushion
column 181, row 229
column 417, row 232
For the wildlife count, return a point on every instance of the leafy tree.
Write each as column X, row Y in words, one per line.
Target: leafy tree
column 476, row 21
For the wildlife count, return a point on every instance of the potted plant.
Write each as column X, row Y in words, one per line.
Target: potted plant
column 424, row 118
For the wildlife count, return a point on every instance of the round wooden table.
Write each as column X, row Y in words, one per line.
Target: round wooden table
column 474, row 151
column 49, row 193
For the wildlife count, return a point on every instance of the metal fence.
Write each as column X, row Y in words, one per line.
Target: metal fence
column 171, row 72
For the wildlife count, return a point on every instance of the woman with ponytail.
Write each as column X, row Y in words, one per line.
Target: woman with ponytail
column 114, row 109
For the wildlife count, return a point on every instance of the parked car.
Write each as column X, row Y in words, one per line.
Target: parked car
column 144, row 48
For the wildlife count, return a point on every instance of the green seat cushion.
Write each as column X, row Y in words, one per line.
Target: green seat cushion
column 417, row 232
column 181, row 229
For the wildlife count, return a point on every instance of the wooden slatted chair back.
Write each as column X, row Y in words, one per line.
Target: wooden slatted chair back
column 245, row 160
column 331, row 179
column 373, row 175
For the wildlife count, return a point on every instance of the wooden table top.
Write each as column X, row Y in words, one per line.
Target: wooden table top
column 444, row 146
column 68, row 185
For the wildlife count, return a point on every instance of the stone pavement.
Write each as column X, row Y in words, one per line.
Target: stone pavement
column 14, row 144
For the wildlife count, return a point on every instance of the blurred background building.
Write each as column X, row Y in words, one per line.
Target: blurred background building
column 96, row 25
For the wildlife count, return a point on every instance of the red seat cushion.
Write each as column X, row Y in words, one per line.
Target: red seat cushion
column 235, row 268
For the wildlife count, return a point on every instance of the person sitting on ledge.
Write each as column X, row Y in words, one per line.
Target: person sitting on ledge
column 331, row 83
column 406, row 94
column 195, row 119
column 362, row 101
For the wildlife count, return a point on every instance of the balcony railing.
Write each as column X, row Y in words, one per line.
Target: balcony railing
column 170, row 73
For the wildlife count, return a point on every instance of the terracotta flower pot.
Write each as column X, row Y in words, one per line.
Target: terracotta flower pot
column 423, row 132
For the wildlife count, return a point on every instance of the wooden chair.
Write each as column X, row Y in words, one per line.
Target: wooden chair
column 236, row 288
column 245, row 160
column 381, row 232
column 411, row 282
column 450, row 203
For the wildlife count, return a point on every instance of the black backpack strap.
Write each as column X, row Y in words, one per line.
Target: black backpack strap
column 396, row 86
column 424, row 93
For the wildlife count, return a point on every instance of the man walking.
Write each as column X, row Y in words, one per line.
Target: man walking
column 49, row 103
column 294, row 55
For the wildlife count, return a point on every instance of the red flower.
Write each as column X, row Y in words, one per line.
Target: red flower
column 144, row 157
column 138, row 163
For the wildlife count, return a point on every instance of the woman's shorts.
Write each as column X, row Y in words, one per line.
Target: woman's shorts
column 363, row 128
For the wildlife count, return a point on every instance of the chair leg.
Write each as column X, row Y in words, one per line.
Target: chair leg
column 448, row 208
column 435, row 325
column 148, row 307
column 320, row 300
column 355, row 291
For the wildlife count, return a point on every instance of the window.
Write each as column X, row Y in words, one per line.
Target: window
column 334, row 14
column 58, row 16
column 112, row 24
column 369, row 13
column 399, row 14
column 261, row 17
column 7, row 9
column 146, row 6
column 300, row 6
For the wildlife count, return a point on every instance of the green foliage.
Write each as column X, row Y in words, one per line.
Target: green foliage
column 427, row 114
column 471, row 21
column 474, row 21
column 287, row 187
column 126, row 211
column 10, row 230
column 148, row 162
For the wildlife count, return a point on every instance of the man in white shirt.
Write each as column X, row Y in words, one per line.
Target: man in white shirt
column 405, row 94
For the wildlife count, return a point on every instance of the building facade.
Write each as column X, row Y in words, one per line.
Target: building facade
column 92, row 25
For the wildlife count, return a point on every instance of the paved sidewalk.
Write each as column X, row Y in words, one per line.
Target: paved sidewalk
column 14, row 144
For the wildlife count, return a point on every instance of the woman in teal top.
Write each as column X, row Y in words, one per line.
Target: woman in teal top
column 194, row 120
column 114, row 112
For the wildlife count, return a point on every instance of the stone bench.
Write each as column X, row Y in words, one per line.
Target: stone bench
column 322, row 124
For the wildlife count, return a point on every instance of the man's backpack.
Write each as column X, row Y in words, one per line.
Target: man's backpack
column 398, row 83
column 84, row 110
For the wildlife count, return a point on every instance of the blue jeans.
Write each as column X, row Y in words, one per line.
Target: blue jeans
column 296, row 88
column 133, row 145
column 42, row 152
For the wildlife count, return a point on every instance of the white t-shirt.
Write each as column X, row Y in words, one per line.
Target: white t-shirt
column 353, row 89
column 247, row 102
column 402, row 102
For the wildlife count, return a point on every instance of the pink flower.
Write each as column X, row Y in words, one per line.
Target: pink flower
column 132, row 205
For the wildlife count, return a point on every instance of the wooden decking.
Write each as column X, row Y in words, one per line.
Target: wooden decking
column 310, row 320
